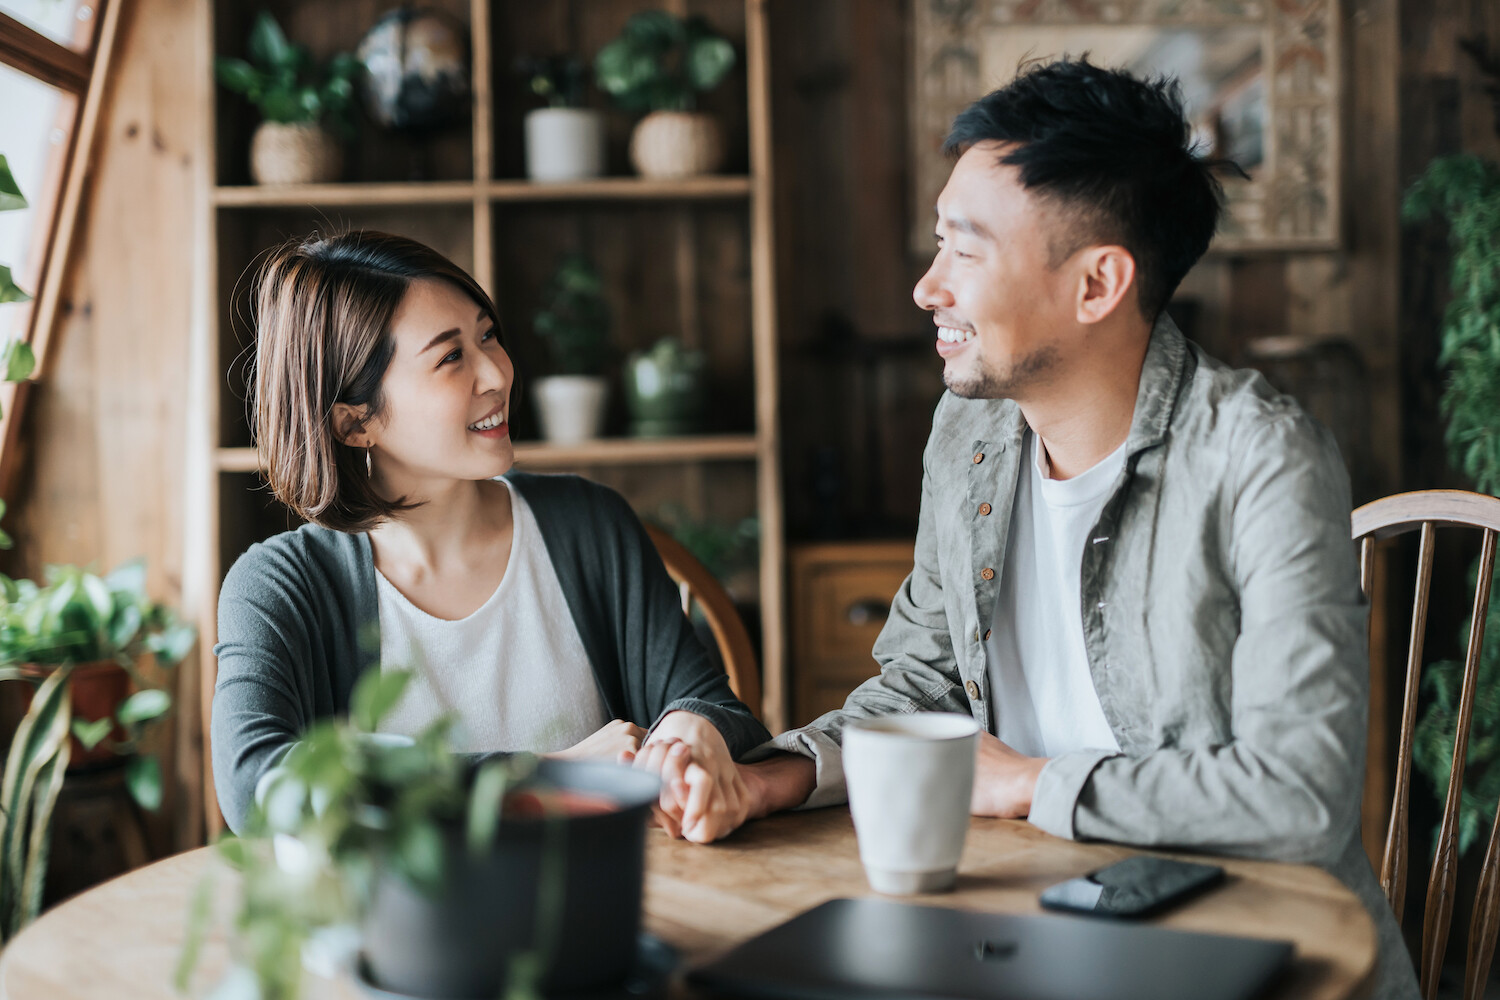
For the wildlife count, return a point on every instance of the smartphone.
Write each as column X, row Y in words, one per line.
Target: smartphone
column 1135, row 887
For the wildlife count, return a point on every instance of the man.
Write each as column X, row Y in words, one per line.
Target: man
column 1133, row 564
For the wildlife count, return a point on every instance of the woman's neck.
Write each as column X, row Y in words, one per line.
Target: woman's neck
column 454, row 528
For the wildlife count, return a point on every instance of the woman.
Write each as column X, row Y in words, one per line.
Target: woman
column 533, row 609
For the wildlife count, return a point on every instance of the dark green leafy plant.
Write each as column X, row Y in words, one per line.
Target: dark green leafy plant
column 76, row 617
column 662, row 62
column 723, row 548
column 343, row 803
column 574, row 322
column 556, row 79
column 1465, row 192
column 281, row 80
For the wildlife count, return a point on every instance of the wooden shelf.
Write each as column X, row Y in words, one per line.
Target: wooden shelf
column 622, row 189
column 297, row 195
column 604, row 451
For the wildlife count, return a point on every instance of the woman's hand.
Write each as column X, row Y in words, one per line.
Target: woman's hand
column 609, row 743
column 703, row 795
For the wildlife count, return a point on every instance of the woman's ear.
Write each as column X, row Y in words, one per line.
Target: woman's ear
column 349, row 425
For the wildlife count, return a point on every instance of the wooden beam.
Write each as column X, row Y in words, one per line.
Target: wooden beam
column 36, row 55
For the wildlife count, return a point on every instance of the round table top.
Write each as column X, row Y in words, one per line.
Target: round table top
column 123, row 938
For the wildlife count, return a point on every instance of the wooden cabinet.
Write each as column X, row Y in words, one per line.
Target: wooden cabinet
column 690, row 258
column 841, row 593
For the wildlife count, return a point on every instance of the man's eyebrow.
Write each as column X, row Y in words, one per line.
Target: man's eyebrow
column 965, row 225
column 440, row 338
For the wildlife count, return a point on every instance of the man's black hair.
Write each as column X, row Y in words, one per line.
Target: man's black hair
column 1114, row 153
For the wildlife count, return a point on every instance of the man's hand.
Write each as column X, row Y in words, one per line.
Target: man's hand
column 608, row 743
column 1004, row 780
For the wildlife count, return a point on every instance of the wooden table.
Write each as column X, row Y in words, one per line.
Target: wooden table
column 121, row 939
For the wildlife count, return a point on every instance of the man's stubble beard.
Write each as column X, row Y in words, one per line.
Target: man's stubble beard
column 1029, row 372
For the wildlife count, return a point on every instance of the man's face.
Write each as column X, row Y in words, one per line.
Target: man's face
column 1002, row 311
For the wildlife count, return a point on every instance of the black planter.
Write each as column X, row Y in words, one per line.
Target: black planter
column 459, row 943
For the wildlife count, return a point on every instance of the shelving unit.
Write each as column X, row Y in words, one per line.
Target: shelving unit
column 691, row 258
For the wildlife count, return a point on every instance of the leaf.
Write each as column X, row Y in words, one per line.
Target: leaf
column 99, row 601
column 143, row 706
column 173, row 644
column 129, row 579
column 11, row 198
column 238, row 75
column 419, row 853
column 91, row 734
column 485, row 801
column 268, row 45
column 10, row 292
column 707, row 61
column 48, row 787
column 143, row 779
column 41, row 736
column 375, row 694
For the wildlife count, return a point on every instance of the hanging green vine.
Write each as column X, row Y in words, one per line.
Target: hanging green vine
column 1464, row 191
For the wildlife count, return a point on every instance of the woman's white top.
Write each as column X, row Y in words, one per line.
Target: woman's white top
column 514, row 674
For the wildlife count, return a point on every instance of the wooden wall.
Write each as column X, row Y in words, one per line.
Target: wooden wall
column 103, row 476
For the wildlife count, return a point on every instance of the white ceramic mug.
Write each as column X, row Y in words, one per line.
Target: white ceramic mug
column 910, row 778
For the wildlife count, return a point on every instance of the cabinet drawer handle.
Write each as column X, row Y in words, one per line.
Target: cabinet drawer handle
column 868, row 611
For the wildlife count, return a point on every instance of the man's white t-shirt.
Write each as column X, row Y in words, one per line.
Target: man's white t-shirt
column 1043, row 697
column 514, row 673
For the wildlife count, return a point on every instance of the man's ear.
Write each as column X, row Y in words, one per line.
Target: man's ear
column 349, row 425
column 1107, row 279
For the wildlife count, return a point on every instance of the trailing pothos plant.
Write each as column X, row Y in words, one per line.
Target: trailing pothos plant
column 16, row 358
column 343, row 805
column 46, row 631
column 1464, row 191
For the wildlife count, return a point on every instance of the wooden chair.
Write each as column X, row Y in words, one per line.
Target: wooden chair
column 697, row 584
column 1425, row 512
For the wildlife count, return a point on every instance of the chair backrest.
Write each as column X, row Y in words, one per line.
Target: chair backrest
column 1425, row 512
column 698, row 586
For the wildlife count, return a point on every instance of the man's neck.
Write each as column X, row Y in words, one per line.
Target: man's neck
column 1083, row 418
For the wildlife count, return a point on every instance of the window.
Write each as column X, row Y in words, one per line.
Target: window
column 54, row 55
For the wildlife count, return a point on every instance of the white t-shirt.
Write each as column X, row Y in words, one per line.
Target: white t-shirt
column 1043, row 697
column 514, row 673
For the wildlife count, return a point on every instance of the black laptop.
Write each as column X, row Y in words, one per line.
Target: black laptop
column 879, row 948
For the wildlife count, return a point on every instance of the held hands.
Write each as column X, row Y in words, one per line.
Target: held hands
column 608, row 743
column 704, row 795
column 1004, row 780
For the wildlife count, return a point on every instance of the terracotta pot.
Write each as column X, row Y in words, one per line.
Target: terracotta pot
column 667, row 144
column 294, row 154
column 98, row 690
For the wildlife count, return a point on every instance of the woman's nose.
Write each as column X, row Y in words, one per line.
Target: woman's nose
column 493, row 374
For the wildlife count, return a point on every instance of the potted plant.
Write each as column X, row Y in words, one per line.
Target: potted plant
column 1465, row 192
column 510, row 877
column 75, row 640
column 298, row 105
column 574, row 324
column 659, row 64
column 564, row 140
column 664, row 389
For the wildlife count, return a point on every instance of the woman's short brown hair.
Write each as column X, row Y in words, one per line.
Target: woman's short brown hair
column 323, row 310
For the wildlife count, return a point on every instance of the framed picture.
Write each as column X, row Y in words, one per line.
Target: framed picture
column 1260, row 80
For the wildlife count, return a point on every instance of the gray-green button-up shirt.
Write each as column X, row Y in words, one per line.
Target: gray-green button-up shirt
column 1222, row 616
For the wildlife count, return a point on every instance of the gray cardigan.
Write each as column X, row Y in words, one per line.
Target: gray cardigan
column 299, row 622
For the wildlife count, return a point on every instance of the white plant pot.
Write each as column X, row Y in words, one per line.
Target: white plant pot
column 294, row 154
column 564, row 144
column 668, row 144
column 571, row 407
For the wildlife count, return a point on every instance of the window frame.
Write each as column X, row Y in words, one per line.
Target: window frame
column 84, row 75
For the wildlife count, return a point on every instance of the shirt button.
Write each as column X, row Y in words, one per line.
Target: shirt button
column 973, row 690
column 979, row 458
column 987, row 573
column 987, row 634
column 984, row 510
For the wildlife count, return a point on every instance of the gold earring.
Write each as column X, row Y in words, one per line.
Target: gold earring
column 369, row 464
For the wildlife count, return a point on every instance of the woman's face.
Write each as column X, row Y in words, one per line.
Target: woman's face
column 447, row 394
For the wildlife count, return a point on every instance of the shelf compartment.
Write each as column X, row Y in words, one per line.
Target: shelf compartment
column 623, row 189
column 303, row 195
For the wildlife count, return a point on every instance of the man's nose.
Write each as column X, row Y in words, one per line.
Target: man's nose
column 930, row 292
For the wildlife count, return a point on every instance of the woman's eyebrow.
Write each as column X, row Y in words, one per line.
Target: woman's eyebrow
column 440, row 338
